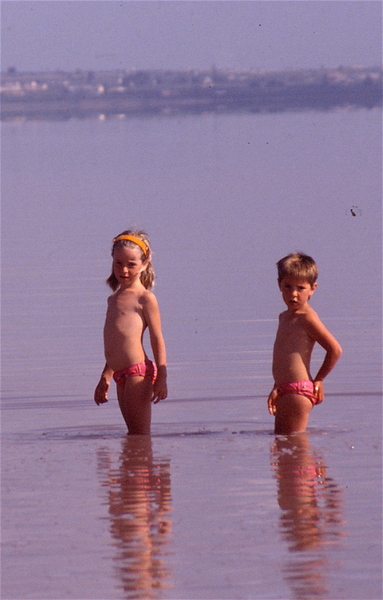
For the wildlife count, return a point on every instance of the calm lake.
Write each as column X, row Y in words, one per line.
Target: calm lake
column 212, row 505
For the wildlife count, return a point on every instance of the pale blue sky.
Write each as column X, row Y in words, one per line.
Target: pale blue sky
column 111, row 34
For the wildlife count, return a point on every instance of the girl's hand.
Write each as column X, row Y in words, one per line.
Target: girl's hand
column 271, row 401
column 160, row 391
column 101, row 392
column 319, row 391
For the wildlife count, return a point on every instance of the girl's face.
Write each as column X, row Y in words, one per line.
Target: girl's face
column 296, row 292
column 128, row 265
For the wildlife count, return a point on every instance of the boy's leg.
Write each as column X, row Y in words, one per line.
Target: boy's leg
column 135, row 404
column 292, row 414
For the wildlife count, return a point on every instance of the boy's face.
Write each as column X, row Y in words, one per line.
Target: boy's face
column 296, row 292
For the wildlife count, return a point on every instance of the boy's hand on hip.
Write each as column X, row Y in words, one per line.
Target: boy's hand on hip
column 319, row 391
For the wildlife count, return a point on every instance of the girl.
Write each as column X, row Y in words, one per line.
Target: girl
column 131, row 309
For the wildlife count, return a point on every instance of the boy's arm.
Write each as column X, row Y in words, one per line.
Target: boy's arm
column 153, row 320
column 101, row 391
column 318, row 332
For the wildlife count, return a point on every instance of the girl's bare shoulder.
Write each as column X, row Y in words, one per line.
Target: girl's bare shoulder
column 147, row 298
column 111, row 298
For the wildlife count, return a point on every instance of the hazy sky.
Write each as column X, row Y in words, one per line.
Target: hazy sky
column 92, row 34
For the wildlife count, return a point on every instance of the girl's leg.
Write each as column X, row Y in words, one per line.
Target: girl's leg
column 135, row 404
column 292, row 414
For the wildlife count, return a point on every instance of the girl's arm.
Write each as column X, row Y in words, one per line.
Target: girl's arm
column 101, row 391
column 153, row 320
column 318, row 332
column 272, row 399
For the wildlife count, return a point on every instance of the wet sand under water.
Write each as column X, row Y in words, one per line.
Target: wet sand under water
column 211, row 506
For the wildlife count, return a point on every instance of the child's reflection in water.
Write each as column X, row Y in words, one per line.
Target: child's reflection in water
column 139, row 508
column 311, row 516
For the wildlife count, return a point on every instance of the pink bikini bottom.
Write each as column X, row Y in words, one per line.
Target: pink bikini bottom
column 303, row 388
column 146, row 369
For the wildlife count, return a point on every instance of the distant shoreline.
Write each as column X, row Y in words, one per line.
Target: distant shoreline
column 124, row 93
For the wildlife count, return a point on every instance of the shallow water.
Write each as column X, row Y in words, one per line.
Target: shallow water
column 212, row 505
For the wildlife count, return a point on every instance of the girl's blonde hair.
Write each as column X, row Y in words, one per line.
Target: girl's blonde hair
column 298, row 265
column 147, row 276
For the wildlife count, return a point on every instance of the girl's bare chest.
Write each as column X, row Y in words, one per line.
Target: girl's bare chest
column 124, row 308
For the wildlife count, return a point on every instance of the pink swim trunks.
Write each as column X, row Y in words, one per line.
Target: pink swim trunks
column 303, row 388
column 145, row 369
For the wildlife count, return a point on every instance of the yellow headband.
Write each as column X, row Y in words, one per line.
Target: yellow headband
column 135, row 240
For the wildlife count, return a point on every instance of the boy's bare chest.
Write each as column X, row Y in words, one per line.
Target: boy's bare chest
column 292, row 334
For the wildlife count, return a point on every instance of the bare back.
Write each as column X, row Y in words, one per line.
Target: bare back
column 124, row 328
column 293, row 348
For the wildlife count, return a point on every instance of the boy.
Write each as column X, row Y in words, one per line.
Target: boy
column 295, row 391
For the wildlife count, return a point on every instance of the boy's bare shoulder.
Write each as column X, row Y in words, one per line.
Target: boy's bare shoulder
column 309, row 315
column 311, row 322
column 304, row 317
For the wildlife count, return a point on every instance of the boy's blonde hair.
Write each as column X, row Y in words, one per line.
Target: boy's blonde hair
column 298, row 264
column 147, row 276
